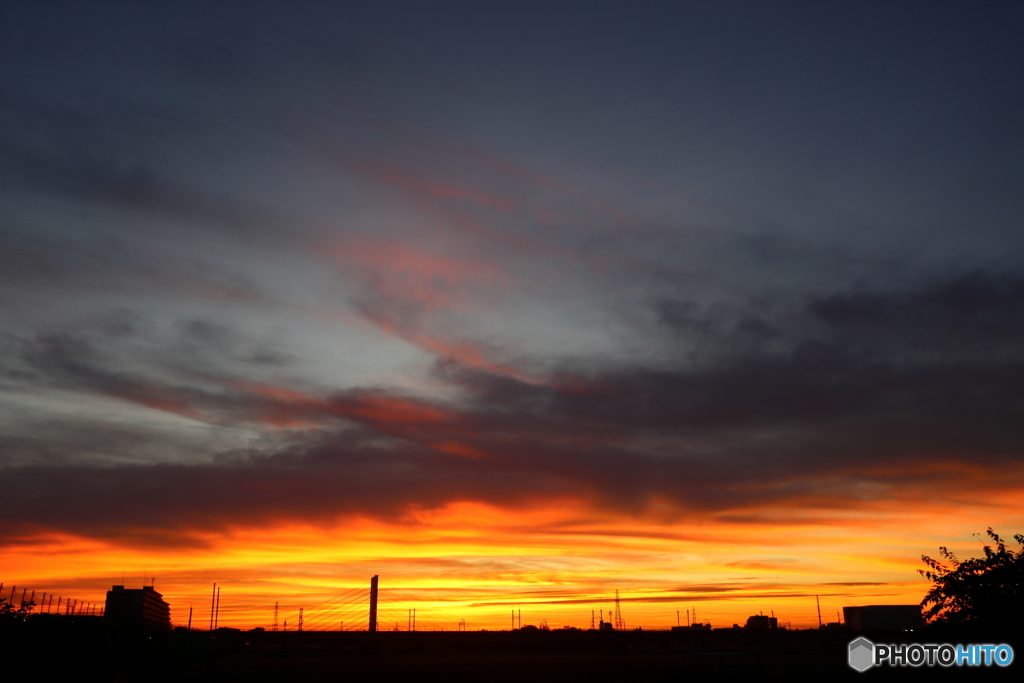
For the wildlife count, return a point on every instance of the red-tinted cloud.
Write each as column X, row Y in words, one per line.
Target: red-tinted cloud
column 408, row 273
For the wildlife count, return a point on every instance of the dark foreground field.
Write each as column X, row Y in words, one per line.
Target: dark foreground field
column 85, row 649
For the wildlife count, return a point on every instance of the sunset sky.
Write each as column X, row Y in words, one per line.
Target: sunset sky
column 716, row 304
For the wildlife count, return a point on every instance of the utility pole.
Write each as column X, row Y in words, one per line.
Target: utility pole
column 818, row 603
column 373, row 604
column 213, row 604
column 620, row 625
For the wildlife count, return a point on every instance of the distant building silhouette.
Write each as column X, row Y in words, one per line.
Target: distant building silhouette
column 759, row 622
column 141, row 608
column 706, row 626
column 882, row 617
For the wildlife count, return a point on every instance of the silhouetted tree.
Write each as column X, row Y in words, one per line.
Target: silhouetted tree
column 986, row 592
column 7, row 609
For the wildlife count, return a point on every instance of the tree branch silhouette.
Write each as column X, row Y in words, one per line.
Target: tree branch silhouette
column 984, row 592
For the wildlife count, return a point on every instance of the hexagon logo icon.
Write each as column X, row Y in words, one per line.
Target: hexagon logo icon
column 862, row 654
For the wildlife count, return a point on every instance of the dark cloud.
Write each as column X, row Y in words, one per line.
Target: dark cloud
column 38, row 266
column 170, row 158
column 801, row 430
column 972, row 318
column 135, row 187
column 856, row 583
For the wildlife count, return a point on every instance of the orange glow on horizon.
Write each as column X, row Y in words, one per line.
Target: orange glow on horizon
column 475, row 562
